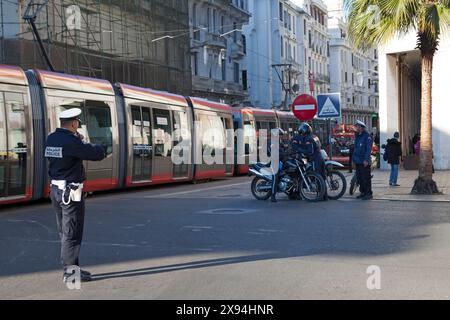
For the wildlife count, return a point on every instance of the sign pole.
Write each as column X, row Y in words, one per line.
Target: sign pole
column 330, row 137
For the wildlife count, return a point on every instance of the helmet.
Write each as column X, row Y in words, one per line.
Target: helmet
column 304, row 129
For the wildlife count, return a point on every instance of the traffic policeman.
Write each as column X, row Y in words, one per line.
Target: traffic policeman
column 309, row 145
column 65, row 151
column 362, row 160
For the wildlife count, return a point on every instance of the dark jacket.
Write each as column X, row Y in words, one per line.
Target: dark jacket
column 393, row 151
column 66, row 152
column 363, row 148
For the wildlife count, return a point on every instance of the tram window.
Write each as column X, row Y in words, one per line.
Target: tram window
column 17, row 142
column 99, row 126
column 180, row 127
column 162, row 132
column 205, row 127
column 217, row 132
column 272, row 125
column 3, row 148
column 249, row 137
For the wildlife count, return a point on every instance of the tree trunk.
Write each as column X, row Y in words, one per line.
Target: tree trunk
column 425, row 184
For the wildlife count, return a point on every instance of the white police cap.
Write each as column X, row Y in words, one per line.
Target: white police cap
column 360, row 123
column 70, row 114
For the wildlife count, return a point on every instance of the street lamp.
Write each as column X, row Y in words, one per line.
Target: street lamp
column 224, row 34
column 160, row 38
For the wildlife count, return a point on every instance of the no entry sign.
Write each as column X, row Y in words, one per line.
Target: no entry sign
column 304, row 107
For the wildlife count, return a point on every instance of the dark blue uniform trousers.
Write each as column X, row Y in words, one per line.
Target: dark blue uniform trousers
column 364, row 176
column 70, row 222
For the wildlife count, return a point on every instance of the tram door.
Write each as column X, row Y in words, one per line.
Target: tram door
column 228, row 144
column 181, row 135
column 13, row 144
column 162, row 139
column 142, row 144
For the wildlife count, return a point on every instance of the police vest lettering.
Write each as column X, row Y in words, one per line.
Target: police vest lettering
column 53, row 152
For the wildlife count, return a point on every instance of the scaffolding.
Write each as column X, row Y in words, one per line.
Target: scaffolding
column 117, row 40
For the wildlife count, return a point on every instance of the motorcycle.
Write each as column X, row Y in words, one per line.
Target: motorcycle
column 335, row 180
column 294, row 179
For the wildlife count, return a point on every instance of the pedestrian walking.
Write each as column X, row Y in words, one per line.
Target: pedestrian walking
column 393, row 155
column 65, row 151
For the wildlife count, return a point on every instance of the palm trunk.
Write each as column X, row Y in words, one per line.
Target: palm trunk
column 425, row 184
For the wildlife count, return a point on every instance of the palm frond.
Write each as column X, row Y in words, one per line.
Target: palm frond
column 376, row 21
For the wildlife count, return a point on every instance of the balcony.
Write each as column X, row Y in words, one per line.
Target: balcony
column 208, row 85
column 321, row 78
column 237, row 50
column 215, row 41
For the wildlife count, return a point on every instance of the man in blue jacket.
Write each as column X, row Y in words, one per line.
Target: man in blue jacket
column 65, row 151
column 362, row 161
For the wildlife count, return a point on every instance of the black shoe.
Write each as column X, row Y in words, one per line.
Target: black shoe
column 367, row 197
column 273, row 199
column 360, row 196
column 395, row 185
column 85, row 276
column 86, row 273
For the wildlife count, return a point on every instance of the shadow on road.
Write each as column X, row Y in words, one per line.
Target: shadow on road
column 128, row 229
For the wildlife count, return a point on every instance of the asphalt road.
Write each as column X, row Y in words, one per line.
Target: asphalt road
column 214, row 241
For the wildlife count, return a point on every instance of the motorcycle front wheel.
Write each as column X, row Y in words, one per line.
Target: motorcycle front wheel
column 312, row 188
column 261, row 189
column 336, row 184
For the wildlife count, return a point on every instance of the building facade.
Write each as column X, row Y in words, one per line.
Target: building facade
column 273, row 55
column 135, row 42
column 287, row 51
column 354, row 74
column 218, row 49
column 316, row 39
column 400, row 86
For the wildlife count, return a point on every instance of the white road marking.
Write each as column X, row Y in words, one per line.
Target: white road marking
column 198, row 190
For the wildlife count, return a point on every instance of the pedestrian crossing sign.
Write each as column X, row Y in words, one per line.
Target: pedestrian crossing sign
column 329, row 105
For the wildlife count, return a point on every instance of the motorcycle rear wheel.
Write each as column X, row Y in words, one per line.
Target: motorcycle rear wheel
column 336, row 181
column 261, row 194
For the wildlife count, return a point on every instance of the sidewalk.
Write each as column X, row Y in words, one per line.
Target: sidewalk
column 406, row 178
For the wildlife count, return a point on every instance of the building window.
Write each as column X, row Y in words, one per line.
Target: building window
column 304, row 27
column 244, row 44
column 282, row 47
column 236, row 72
column 195, row 62
column 244, row 80
column 224, row 70
column 235, row 32
column 194, row 15
column 293, row 24
column 281, row 11
column 214, row 24
column 208, row 17
column 306, row 61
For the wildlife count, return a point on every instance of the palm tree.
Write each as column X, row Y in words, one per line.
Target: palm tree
column 373, row 22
